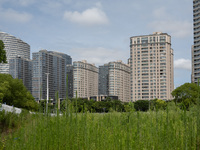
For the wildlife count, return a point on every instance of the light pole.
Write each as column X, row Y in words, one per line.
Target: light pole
column 47, row 91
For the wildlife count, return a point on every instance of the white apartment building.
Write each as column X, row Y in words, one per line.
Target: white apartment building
column 151, row 62
column 14, row 47
column 114, row 80
column 85, row 79
column 119, row 80
column 196, row 46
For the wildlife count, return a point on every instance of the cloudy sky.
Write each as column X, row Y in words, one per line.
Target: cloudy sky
column 99, row 30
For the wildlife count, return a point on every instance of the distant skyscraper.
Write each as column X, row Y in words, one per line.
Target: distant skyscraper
column 70, row 80
column 14, row 47
column 67, row 57
column 48, row 62
column 85, row 79
column 69, row 71
column 114, row 80
column 152, row 72
column 21, row 68
column 103, row 79
column 196, row 46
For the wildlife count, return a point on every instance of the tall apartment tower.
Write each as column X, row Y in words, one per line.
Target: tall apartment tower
column 14, row 47
column 54, row 64
column 152, row 72
column 85, row 79
column 21, row 68
column 114, row 80
column 196, row 46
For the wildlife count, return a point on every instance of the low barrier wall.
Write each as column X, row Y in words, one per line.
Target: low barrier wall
column 8, row 108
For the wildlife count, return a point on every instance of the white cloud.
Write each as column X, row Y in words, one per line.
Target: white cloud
column 169, row 23
column 98, row 55
column 89, row 17
column 14, row 16
column 182, row 64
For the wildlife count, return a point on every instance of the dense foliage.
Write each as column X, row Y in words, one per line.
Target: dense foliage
column 82, row 105
column 172, row 128
column 94, row 106
column 142, row 105
column 13, row 92
column 186, row 94
column 2, row 53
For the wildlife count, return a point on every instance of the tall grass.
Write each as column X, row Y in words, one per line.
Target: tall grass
column 169, row 129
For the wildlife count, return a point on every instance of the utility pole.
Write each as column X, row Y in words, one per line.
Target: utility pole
column 47, row 91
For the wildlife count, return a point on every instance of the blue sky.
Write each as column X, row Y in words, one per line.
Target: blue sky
column 99, row 30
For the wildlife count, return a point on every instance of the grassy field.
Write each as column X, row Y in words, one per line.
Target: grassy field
column 165, row 129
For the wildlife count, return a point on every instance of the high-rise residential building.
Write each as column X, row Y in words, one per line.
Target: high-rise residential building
column 103, row 80
column 54, row 64
column 85, row 79
column 21, row 68
column 196, row 46
column 69, row 71
column 67, row 57
column 14, row 47
column 152, row 72
column 114, row 80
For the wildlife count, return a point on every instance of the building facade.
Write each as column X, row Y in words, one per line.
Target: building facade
column 47, row 62
column 103, row 80
column 152, row 72
column 85, row 81
column 196, row 46
column 67, row 57
column 69, row 71
column 114, row 80
column 14, row 47
column 21, row 68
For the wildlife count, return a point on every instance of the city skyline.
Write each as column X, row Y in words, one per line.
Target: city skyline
column 69, row 27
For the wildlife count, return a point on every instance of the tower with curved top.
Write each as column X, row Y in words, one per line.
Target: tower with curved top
column 14, row 47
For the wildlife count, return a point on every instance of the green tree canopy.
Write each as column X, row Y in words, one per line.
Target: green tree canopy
column 161, row 104
column 13, row 92
column 141, row 105
column 2, row 53
column 186, row 94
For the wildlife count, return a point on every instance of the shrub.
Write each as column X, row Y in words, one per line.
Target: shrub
column 141, row 105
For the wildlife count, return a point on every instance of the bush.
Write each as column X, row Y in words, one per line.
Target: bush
column 8, row 120
column 141, row 105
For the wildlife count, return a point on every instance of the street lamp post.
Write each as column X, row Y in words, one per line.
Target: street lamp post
column 47, row 91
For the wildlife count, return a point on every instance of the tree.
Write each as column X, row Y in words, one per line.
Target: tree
column 186, row 94
column 2, row 53
column 141, row 105
column 4, row 86
column 129, row 107
column 160, row 104
column 13, row 92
